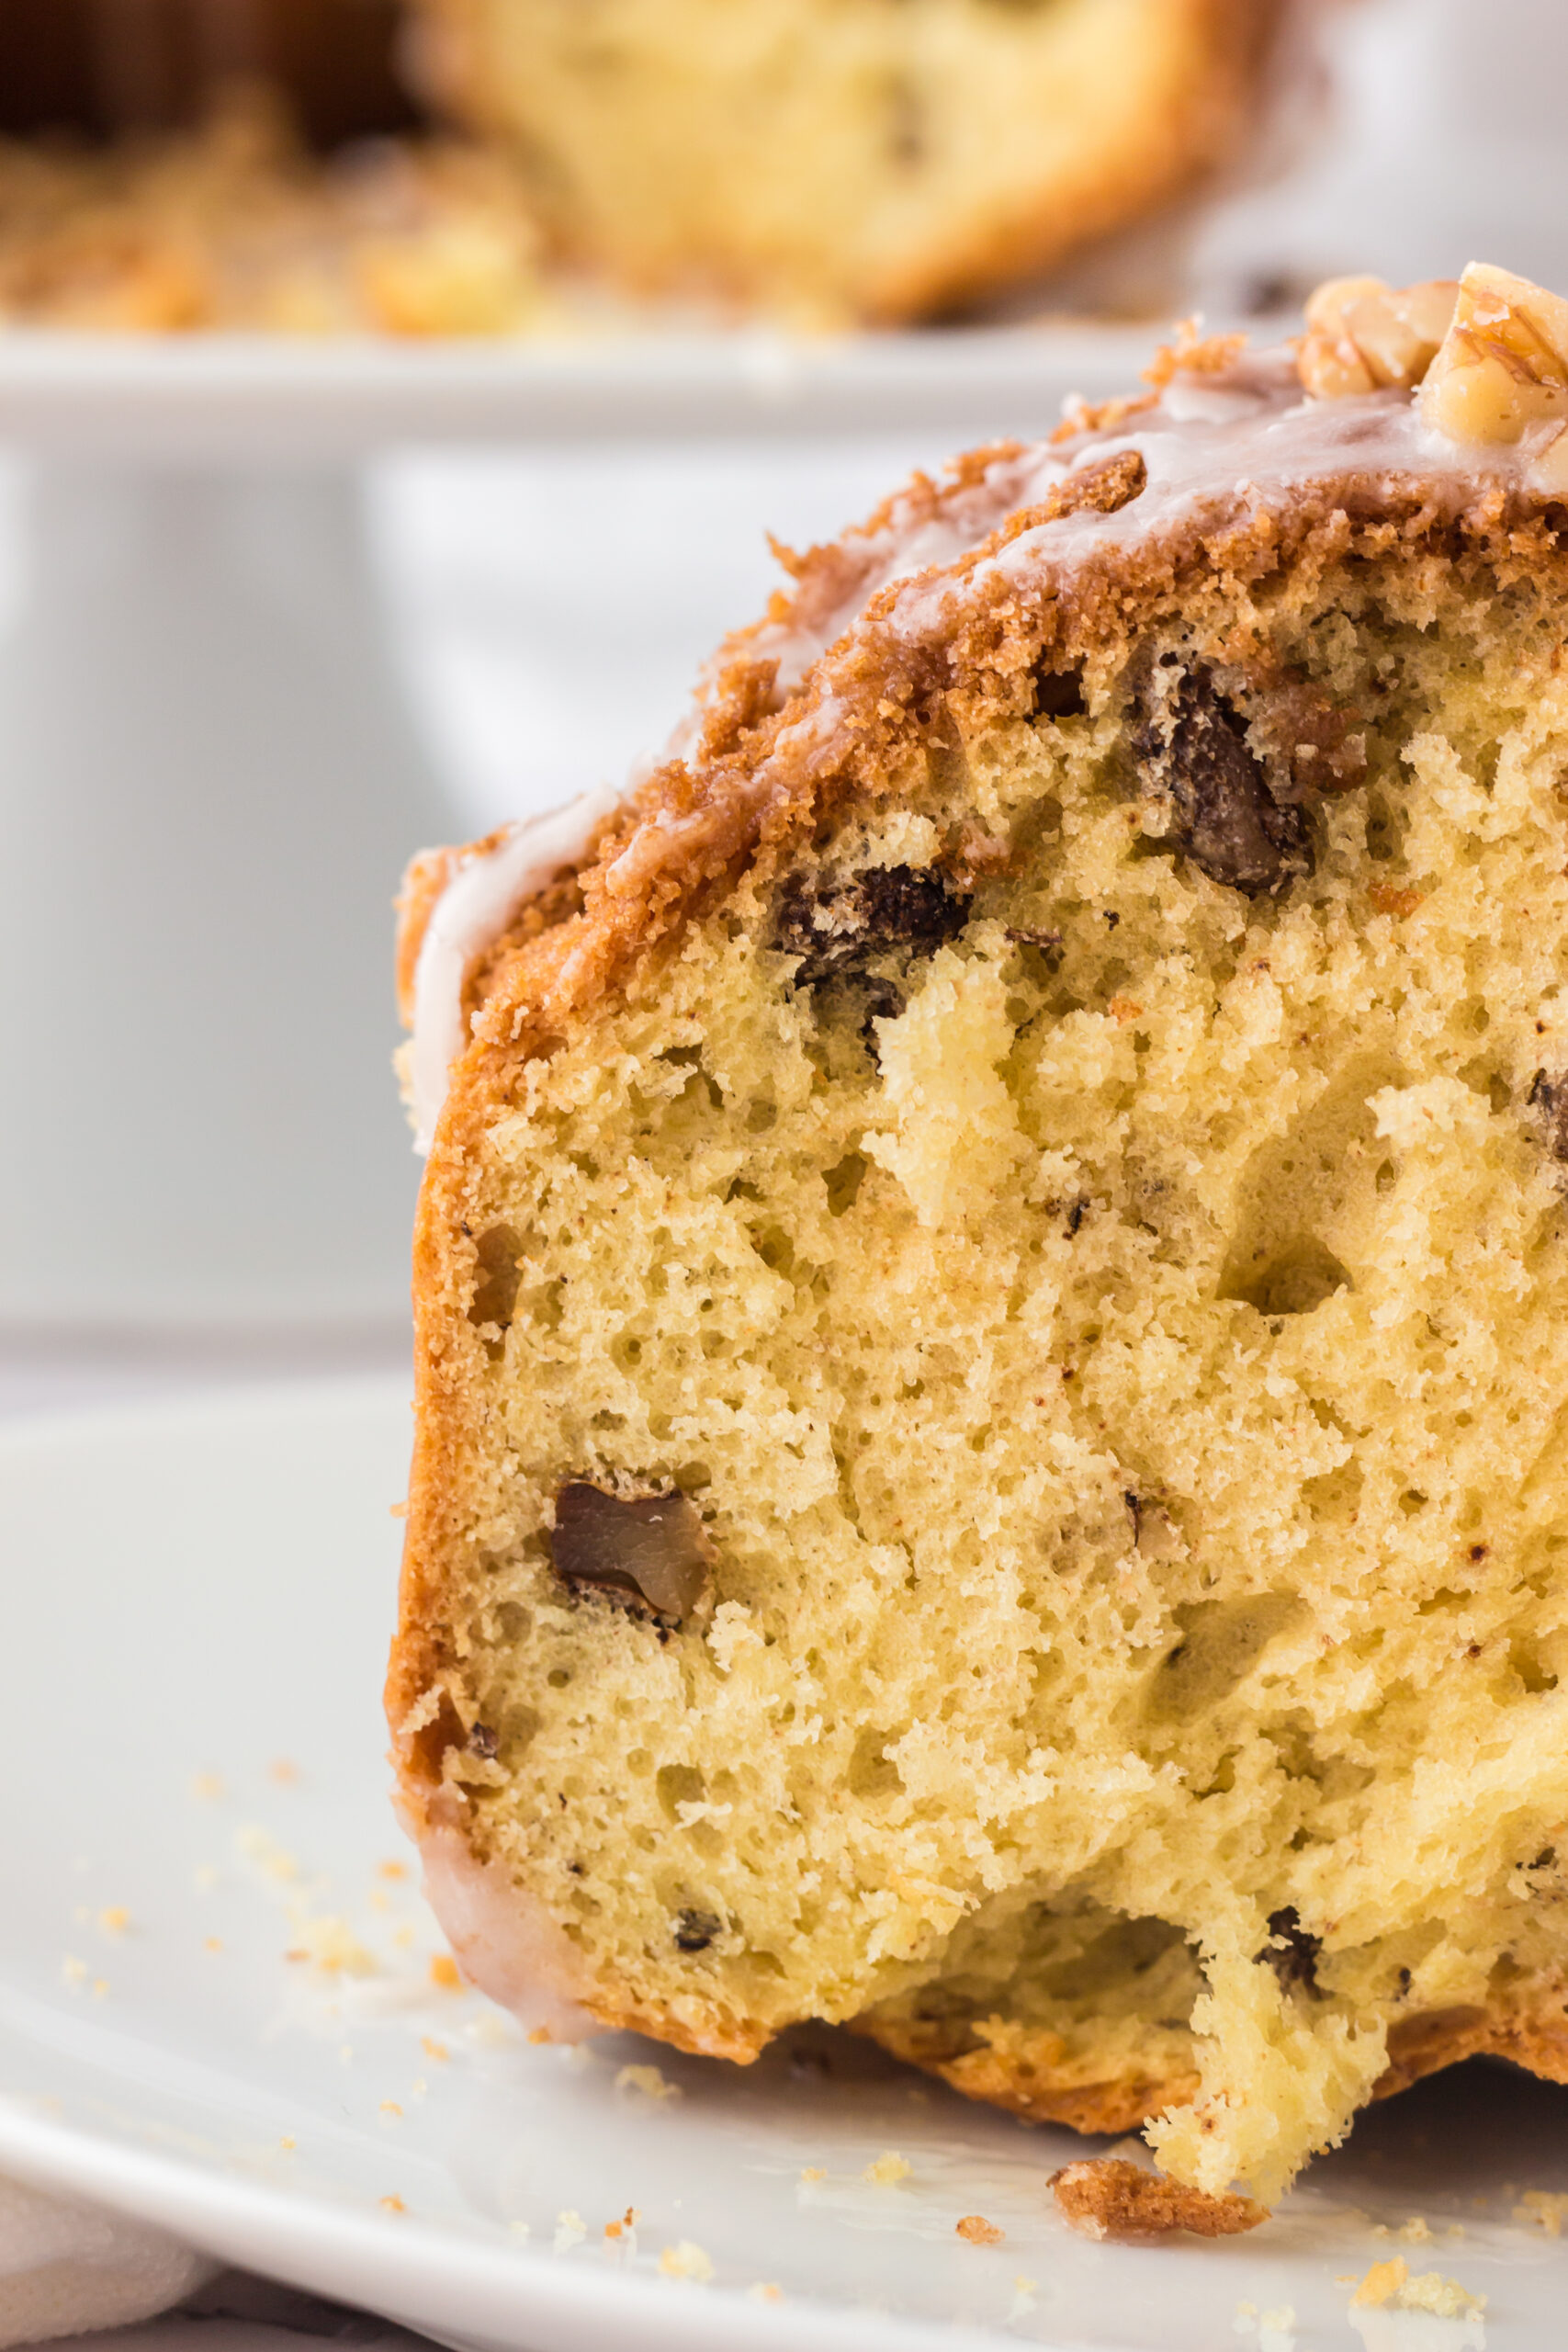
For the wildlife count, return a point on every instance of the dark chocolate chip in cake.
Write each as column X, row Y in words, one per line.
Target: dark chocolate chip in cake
column 1291, row 1951
column 837, row 929
column 694, row 1931
column 1193, row 745
column 483, row 1741
column 646, row 1553
column 1547, row 1098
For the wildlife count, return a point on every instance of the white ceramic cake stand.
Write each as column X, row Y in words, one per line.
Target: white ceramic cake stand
column 209, row 780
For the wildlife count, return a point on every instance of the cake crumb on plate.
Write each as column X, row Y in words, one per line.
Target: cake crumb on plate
column 649, row 2081
column 685, row 2260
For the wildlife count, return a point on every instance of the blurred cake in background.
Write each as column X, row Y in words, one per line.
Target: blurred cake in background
column 827, row 162
column 237, row 225
column 845, row 158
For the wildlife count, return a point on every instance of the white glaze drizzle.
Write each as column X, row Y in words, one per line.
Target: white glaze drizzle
column 1212, row 443
column 509, row 1946
column 470, row 915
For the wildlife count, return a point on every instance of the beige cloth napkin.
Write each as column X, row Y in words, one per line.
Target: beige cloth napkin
column 66, row 2266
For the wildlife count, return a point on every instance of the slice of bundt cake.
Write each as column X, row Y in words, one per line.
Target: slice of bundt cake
column 845, row 156
column 992, row 1282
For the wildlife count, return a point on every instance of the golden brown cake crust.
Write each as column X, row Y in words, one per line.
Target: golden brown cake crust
column 1526, row 2024
column 1231, row 38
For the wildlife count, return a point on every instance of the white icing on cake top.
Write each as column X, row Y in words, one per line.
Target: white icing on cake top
column 1212, row 444
column 470, row 915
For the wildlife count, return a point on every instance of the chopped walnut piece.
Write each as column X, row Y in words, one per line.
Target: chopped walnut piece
column 1109, row 2198
column 1501, row 376
column 1364, row 336
column 645, row 1551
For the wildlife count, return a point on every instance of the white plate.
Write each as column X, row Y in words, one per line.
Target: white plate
column 245, row 398
column 206, row 1589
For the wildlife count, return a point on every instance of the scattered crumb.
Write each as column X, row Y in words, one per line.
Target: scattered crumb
column 330, row 1944
column 259, row 1846
column 888, row 2167
column 418, row 2088
column 208, row 1787
column 288, row 2143
column 1415, row 2232
column 283, row 1772
column 100, row 1987
column 393, row 2205
column 1543, row 2207
column 1390, row 2285
column 212, row 1943
column 628, row 2222
column 1277, row 2329
column 73, row 1971
column 204, row 1878
column 976, row 2231
column 397, row 1510
column 647, row 2079
column 391, row 2110
column 764, row 2291
column 814, row 2172
column 113, row 1919
column 540, row 2036
column 1105, row 2198
column 570, row 2229
column 391, row 1870
column 685, row 2261
column 1023, row 2301
column 433, row 2049
column 1444, row 2297
column 1380, row 2285
column 443, row 1971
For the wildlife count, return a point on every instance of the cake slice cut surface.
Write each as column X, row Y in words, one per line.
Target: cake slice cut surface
column 992, row 1281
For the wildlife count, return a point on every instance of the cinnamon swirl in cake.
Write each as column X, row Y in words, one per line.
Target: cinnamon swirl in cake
column 992, row 1281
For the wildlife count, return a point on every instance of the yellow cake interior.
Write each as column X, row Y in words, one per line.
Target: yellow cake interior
column 1123, row 1391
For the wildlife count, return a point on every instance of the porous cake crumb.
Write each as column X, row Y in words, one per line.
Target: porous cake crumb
column 649, row 2081
column 685, row 2260
column 1022, row 1180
